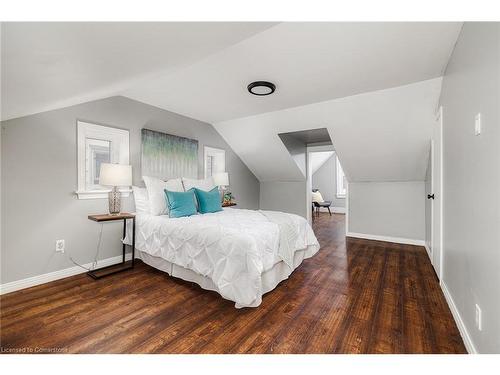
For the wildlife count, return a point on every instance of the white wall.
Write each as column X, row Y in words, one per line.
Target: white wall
column 389, row 209
column 471, row 259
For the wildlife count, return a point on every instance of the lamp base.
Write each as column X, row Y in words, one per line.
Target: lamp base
column 114, row 200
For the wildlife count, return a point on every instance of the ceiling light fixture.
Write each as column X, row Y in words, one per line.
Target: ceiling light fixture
column 261, row 88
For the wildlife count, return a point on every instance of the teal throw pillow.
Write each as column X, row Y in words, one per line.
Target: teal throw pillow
column 208, row 201
column 180, row 203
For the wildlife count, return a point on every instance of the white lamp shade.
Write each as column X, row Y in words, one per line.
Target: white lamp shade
column 115, row 175
column 221, row 179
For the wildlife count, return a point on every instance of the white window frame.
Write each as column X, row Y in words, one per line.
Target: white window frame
column 119, row 153
column 89, row 165
column 340, row 179
column 215, row 153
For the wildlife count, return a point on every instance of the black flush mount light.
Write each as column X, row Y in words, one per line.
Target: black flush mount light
column 261, row 88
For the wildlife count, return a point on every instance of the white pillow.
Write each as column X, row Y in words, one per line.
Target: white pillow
column 317, row 197
column 141, row 200
column 206, row 184
column 156, row 187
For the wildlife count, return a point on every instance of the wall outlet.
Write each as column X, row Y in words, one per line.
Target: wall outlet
column 477, row 124
column 60, row 246
column 479, row 318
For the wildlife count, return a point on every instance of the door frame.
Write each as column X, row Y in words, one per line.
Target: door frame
column 430, row 251
column 311, row 149
column 439, row 122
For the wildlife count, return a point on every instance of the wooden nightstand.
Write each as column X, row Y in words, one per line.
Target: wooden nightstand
column 109, row 270
column 228, row 204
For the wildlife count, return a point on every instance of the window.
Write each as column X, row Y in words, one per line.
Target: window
column 215, row 161
column 97, row 152
column 341, row 180
column 98, row 144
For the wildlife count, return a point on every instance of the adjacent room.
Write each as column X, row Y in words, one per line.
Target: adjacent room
column 250, row 187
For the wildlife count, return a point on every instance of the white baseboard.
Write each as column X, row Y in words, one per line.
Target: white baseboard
column 428, row 249
column 335, row 210
column 469, row 345
column 406, row 241
column 56, row 275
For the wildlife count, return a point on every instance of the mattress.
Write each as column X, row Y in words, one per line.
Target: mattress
column 241, row 254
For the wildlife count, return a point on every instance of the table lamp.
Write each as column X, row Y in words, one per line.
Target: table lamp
column 115, row 175
column 221, row 180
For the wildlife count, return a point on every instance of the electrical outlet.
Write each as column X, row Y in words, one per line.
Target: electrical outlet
column 479, row 318
column 60, row 246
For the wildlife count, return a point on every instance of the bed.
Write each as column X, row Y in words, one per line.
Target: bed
column 241, row 254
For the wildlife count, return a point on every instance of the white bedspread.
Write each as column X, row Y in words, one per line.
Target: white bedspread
column 232, row 247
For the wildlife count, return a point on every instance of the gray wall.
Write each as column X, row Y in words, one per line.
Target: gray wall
column 39, row 176
column 393, row 209
column 471, row 194
column 285, row 196
column 428, row 203
column 325, row 179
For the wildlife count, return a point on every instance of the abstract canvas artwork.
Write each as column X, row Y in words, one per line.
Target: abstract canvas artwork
column 168, row 156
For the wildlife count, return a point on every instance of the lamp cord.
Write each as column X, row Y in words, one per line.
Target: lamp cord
column 94, row 263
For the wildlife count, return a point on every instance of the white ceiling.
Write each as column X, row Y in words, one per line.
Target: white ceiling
column 201, row 69
column 378, row 136
column 308, row 62
column 52, row 65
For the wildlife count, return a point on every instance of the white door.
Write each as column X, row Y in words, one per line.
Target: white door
column 436, row 196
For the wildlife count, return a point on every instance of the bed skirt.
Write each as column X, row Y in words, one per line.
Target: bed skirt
column 270, row 278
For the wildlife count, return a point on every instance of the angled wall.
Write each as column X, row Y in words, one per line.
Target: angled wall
column 297, row 150
column 380, row 136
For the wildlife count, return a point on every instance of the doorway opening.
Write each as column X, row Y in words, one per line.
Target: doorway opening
column 328, row 185
column 324, row 184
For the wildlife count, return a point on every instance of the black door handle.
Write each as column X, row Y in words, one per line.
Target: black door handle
column 430, row 196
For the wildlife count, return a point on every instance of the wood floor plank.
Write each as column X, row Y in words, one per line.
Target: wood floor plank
column 72, row 303
column 354, row 296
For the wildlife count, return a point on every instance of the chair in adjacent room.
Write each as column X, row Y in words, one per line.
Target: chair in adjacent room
column 318, row 202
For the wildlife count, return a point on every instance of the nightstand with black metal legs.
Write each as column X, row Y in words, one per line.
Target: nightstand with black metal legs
column 124, row 265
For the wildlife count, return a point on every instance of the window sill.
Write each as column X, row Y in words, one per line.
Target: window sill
column 99, row 194
column 341, row 196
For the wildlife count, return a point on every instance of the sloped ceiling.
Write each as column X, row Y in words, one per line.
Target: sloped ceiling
column 355, row 79
column 379, row 136
column 50, row 65
column 308, row 62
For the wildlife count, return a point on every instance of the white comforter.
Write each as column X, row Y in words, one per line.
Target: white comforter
column 232, row 247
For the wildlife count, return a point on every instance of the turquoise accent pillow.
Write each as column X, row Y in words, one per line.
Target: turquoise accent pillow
column 180, row 203
column 208, row 201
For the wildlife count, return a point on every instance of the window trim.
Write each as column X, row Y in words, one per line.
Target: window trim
column 213, row 152
column 119, row 154
column 340, row 177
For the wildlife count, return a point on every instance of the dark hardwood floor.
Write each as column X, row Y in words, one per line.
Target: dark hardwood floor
column 354, row 296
